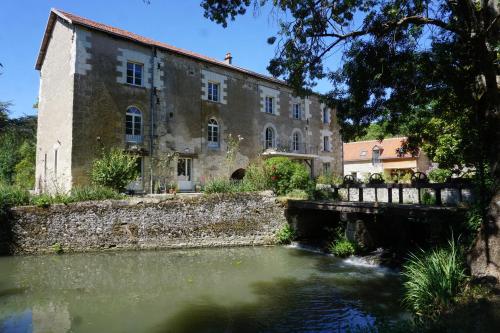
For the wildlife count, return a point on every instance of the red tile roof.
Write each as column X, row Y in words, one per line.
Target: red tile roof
column 78, row 20
column 353, row 151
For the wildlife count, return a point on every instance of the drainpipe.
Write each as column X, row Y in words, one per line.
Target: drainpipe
column 152, row 115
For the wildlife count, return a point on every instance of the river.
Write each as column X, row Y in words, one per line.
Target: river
column 246, row 289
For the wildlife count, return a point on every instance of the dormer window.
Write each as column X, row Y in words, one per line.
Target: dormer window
column 134, row 73
column 213, row 91
column 376, row 155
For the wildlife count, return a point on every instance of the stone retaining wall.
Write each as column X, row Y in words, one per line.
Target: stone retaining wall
column 216, row 220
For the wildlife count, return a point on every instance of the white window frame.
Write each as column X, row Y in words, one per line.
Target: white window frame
column 269, row 104
column 213, row 138
column 212, row 87
column 270, row 142
column 297, row 111
column 136, row 135
column 296, row 140
column 133, row 77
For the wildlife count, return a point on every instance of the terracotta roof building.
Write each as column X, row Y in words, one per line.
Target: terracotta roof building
column 363, row 158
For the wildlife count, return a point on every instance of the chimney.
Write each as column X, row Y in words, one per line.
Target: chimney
column 228, row 59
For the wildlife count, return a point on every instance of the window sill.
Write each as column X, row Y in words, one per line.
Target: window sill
column 271, row 114
column 213, row 147
column 134, row 85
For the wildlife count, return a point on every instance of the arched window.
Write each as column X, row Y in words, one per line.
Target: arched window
column 296, row 142
column 133, row 125
column 270, row 138
column 213, row 133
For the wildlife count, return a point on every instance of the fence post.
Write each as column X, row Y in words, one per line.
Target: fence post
column 360, row 194
column 376, row 194
column 439, row 202
column 400, row 193
column 389, row 194
column 419, row 196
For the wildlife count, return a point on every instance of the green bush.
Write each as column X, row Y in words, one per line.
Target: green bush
column 89, row 193
column 257, row 177
column 285, row 235
column 286, row 175
column 42, row 200
column 439, row 175
column 298, row 194
column 433, row 280
column 342, row 248
column 428, row 198
column 115, row 169
column 25, row 168
column 222, row 185
column 12, row 196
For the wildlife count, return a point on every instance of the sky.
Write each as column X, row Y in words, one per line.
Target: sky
column 177, row 22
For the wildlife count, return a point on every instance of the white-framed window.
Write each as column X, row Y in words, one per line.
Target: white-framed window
column 213, row 91
column 375, row 155
column 326, row 143
column 133, row 125
column 270, row 138
column 134, row 73
column 296, row 141
column 213, row 133
column 269, row 104
column 326, row 118
column 297, row 112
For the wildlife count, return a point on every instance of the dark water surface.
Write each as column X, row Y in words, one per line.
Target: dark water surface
column 246, row 289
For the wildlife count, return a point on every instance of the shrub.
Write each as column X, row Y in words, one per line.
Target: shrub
column 12, row 196
column 285, row 235
column 88, row 193
column 257, row 177
column 115, row 169
column 433, row 280
column 42, row 200
column 286, row 175
column 222, row 185
column 428, row 198
column 342, row 248
column 25, row 168
column 325, row 194
column 298, row 194
column 439, row 175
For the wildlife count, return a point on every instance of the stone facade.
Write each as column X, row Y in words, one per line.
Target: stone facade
column 84, row 98
column 204, row 221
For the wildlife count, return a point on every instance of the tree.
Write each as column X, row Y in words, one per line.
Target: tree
column 25, row 168
column 430, row 67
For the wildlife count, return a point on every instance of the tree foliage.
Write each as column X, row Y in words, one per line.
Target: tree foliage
column 422, row 67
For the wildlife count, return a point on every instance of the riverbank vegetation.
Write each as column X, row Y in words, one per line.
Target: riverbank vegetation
column 285, row 235
column 12, row 195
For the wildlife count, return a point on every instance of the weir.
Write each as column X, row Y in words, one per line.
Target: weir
column 385, row 215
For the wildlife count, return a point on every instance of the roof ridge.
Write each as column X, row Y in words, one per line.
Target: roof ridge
column 375, row 140
column 106, row 28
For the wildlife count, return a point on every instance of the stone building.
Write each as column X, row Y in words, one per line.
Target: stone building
column 101, row 86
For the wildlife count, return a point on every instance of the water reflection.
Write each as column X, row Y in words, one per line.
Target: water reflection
column 205, row 290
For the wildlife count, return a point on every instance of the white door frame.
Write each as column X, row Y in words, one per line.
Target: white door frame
column 185, row 173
